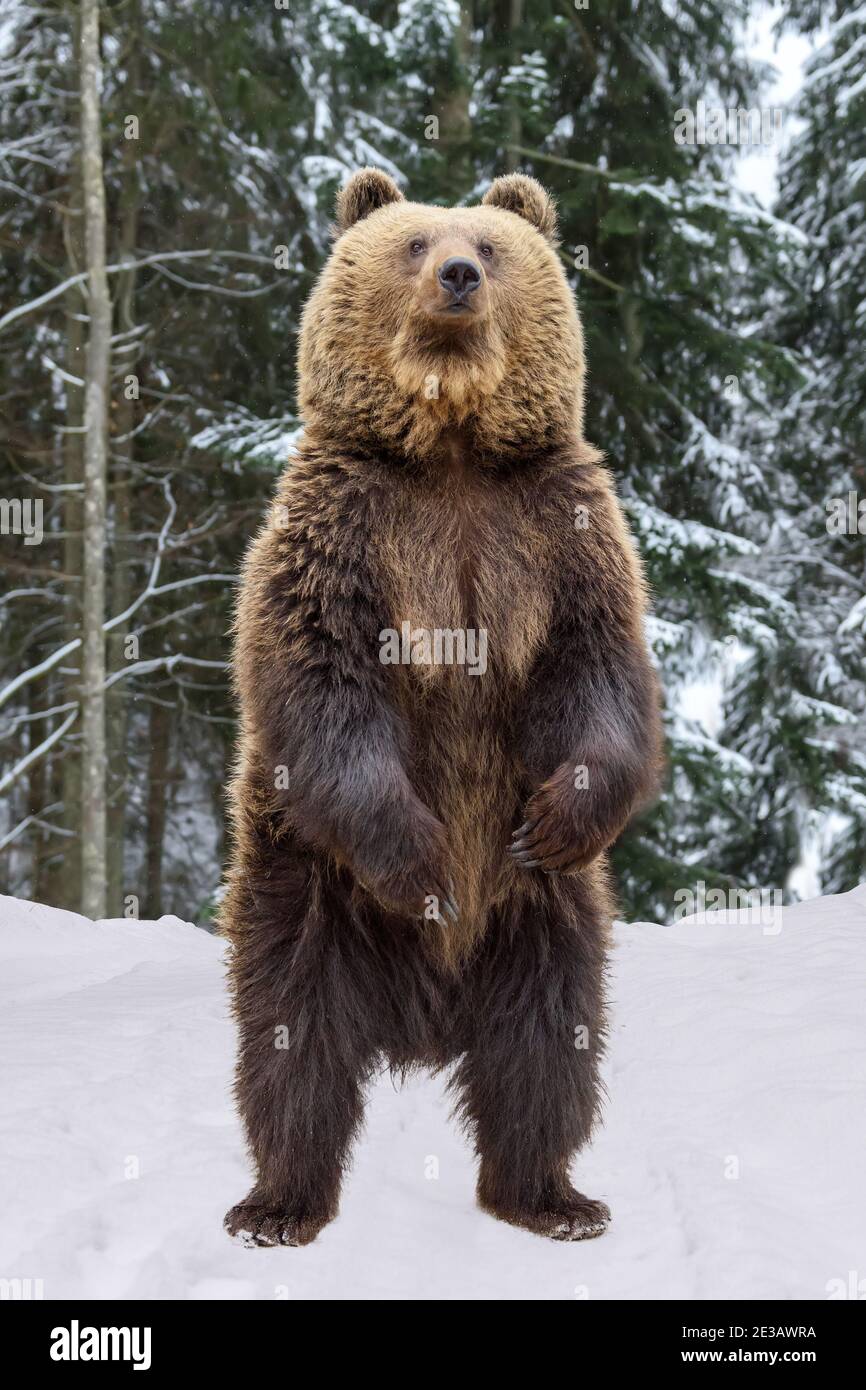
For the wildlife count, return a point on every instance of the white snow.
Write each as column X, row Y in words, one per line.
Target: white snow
column 732, row 1151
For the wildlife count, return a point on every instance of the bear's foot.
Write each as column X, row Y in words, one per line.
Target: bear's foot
column 573, row 1217
column 257, row 1224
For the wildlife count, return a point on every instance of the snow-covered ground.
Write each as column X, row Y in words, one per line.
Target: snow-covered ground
column 732, row 1153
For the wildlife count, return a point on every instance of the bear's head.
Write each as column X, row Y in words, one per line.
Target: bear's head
column 429, row 320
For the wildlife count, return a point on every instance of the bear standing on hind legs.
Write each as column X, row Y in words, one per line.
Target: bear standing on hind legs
column 419, row 866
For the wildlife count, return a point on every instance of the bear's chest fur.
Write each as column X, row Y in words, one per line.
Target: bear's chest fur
column 466, row 571
column 467, row 564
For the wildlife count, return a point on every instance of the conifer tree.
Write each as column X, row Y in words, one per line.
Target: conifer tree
column 726, row 385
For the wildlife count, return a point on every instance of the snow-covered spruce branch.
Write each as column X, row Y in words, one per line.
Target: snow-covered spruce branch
column 47, row 136
column 812, row 559
column 157, row 259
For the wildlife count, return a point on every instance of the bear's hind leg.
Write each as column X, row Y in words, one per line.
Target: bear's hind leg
column 528, row 1085
column 305, row 1053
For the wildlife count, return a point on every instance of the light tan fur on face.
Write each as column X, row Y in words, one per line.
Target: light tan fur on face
column 377, row 365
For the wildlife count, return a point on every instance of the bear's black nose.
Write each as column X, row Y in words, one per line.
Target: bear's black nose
column 459, row 275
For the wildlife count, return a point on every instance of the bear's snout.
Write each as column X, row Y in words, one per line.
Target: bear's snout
column 460, row 277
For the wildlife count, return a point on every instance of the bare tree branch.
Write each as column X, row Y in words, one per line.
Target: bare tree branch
column 156, row 259
column 14, row 773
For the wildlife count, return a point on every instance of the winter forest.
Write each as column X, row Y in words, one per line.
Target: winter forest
column 727, row 388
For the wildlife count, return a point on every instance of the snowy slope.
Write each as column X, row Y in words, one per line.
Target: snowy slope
column 730, row 1046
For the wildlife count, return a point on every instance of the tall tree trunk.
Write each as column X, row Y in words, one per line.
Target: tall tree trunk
column 455, row 125
column 93, row 751
column 515, row 124
column 73, row 565
column 37, row 785
column 75, row 305
column 120, row 470
column 48, row 880
column 157, row 796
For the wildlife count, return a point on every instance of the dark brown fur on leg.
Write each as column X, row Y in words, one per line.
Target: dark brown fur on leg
column 305, row 1050
column 528, row 1093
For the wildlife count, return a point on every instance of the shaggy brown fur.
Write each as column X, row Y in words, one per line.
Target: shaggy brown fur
column 375, row 908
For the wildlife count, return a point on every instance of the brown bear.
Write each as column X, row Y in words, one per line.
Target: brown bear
column 419, row 867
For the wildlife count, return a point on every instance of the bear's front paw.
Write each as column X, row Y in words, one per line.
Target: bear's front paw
column 551, row 837
column 418, row 873
column 426, row 892
column 257, row 1224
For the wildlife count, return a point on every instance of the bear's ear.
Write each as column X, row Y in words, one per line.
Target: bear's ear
column 525, row 196
column 362, row 194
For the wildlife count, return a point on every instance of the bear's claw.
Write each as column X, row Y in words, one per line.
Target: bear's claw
column 579, row 1218
column 581, row 1226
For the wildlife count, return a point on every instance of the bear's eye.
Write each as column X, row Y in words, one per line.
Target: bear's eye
column 486, row 250
column 417, row 248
